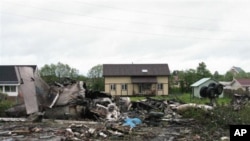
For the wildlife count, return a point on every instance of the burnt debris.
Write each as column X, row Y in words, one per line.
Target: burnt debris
column 96, row 115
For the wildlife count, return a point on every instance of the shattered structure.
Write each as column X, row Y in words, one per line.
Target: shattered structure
column 29, row 86
column 85, row 114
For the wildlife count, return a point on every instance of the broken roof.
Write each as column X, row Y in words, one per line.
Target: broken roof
column 136, row 70
column 9, row 74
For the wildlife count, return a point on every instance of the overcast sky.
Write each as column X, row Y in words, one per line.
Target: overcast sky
column 84, row 33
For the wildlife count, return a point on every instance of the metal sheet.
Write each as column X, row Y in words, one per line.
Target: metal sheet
column 28, row 89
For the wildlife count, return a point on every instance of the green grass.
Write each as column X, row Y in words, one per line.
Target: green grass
column 186, row 98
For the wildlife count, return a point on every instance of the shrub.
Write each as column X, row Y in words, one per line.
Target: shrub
column 4, row 104
column 3, row 96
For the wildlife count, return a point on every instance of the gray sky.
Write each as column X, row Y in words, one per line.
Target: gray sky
column 84, row 33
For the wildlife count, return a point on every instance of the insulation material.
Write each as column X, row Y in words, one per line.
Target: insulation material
column 28, row 89
column 69, row 92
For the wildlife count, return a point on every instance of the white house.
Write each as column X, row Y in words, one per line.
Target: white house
column 199, row 84
column 23, row 84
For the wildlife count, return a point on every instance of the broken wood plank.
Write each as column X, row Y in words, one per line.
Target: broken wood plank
column 13, row 119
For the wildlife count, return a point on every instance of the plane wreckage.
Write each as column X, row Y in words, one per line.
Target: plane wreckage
column 72, row 100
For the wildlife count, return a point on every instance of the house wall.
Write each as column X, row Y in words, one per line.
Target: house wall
column 236, row 85
column 118, row 81
column 3, row 90
column 133, row 88
column 164, row 81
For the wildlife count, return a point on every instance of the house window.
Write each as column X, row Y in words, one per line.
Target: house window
column 10, row 88
column 124, row 87
column 160, row 86
column 112, row 87
column 1, row 88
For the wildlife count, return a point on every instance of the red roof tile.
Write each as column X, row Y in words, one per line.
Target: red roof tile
column 244, row 82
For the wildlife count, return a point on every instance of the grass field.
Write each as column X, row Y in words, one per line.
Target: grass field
column 186, row 98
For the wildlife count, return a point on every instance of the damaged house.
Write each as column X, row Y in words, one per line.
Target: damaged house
column 136, row 79
column 23, row 85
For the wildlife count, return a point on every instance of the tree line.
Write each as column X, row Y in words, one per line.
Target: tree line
column 190, row 76
column 57, row 72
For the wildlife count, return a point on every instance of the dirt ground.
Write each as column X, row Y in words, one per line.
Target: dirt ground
column 66, row 130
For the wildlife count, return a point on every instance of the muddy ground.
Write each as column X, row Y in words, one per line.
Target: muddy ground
column 66, row 130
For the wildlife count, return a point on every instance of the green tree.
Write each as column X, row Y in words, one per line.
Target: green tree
column 242, row 75
column 96, row 79
column 189, row 78
column 186, row 78
column 54, row 72
column 228, row 76
column 202, row 71
column 217, row 76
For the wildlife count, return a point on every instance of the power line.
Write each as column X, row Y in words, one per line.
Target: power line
column 119, row 20
column 144, row 12
column 112, row 29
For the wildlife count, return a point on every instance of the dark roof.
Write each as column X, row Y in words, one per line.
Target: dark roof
column 8, row 73
column 136, row 70
column 237, row 69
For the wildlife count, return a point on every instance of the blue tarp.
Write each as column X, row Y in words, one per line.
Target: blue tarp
column 132, row 122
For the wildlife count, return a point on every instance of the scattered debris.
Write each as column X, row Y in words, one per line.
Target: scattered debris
column 239, row 101
column 77, row 113
column 185, row 107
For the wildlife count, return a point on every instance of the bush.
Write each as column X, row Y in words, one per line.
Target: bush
column 4, row 104
column 3, row 96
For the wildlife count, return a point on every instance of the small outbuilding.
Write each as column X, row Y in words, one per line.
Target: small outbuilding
column 196, row 87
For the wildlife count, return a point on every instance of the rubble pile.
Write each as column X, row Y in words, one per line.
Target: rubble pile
column 240, row 101
column 90, row 115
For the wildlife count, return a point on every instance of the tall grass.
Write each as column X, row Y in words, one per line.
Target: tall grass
column 214, row 124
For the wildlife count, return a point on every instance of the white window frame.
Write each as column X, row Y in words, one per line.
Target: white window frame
column 11, row 89
column 159, row 86
column 124, row 87
column 112, row 87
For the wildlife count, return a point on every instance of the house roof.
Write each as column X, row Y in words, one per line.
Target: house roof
column 244, row 82
column 136, row 70
column 201, row 81
column 237, row 69
column 9, row 74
